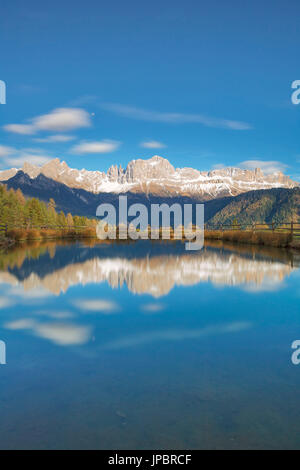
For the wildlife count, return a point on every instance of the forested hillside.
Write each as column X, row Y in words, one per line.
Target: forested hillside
column 18, row 211
column 272, row 205
column 19, row 208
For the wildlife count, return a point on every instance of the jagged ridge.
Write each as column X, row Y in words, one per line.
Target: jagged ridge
column 277, row 204
column 156, row 176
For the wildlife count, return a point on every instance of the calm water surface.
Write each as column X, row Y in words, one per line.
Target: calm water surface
column 148, row 346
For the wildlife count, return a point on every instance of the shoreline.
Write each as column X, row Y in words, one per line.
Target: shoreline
column 258, row 238
column 239, row 237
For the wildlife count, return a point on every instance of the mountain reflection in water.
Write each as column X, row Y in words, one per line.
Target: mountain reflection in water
column 144, row 267
column 145, row 345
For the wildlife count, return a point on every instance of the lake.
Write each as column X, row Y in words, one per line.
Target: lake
column 146, row 346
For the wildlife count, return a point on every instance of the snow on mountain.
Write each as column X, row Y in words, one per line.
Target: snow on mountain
column 157, row 176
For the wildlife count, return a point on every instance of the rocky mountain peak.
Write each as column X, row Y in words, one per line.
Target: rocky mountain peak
column 154, row 168
column 115, row 173
column 31, row 170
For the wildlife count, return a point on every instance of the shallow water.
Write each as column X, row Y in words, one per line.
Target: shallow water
column 146, row 345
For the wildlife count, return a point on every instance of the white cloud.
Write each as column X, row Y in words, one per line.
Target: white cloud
column 34, row 159
column 58, row 120
column 29, row 88
column 22, row 324
column 152, row 308
column 5, row 302
column 63, row 334
column 97, row 305
column 218, row 166
column 141, row 339
column 56, row 138
column 153, row 144
column 84, row 100
column 174, row 118
column 23, row 129
column 104, row 146
column 63, row 119
column 268, row 167
column 57, row 314
column 12, row 157
column 267, row 285
column 5, row 151
column 36, row 293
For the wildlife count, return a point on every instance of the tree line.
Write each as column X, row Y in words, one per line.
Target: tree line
column 18, row 211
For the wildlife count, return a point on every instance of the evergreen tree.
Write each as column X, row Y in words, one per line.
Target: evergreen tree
column 20, row 197
column 70, row 222
column 62, row 221
column 18, row 212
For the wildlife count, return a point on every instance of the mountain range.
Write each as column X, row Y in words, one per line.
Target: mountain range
column 228, row 193
column 144, row 268
column 156, row 176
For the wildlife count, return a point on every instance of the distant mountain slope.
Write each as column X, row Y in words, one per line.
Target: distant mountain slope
column 81, row 202
column 277, row 205
column 157, row 177
column 76, row 201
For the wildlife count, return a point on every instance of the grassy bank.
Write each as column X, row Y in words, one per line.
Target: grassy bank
column 275, row 239
column 48, row 234
column 263, row 238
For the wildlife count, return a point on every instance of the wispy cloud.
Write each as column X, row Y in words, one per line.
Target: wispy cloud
column 152, row 308
column 55, row 138
column 17, row 157
column 56, row 314
column 267, row 285
column 103, row 146
column 58, row 120
column 175, row 335
column 22, row 129
column 152, row 144
column 96, row 305
column 84, row 100
column 268, row 167
column 21, row 324
column 63, row 334
column 5, row 151
column 29, row 89
column 19, row 161
column 218, row 166
column 36, row 293
column 173, row 118
column 5, row 302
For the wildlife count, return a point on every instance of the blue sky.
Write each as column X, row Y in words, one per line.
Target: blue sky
column 203, row 84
